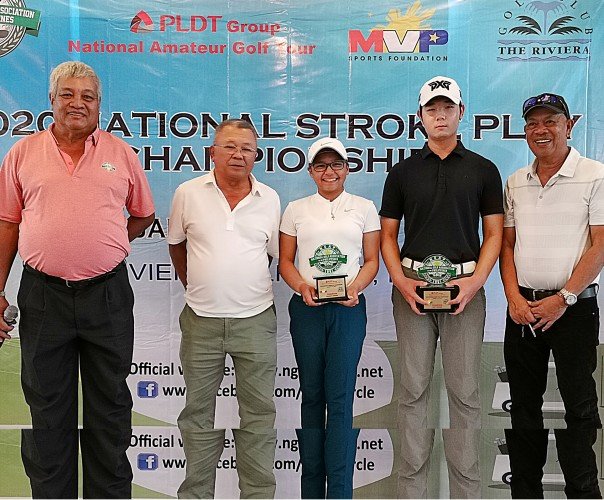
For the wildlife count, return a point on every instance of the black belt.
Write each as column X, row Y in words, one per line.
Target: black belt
column 531, row 294
column 78, row 284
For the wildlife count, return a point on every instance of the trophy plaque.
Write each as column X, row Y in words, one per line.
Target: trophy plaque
column 437, row 270
column 331, row 288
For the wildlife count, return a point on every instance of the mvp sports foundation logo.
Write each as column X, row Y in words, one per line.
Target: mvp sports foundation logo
column 545, row 31
column 16, row 21
column 407, row 37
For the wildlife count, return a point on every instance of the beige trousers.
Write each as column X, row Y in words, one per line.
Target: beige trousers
column 461, row 342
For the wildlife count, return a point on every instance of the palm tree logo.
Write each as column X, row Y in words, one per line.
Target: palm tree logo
column 558, row 27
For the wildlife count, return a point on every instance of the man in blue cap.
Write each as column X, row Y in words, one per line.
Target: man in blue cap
column 551, row 258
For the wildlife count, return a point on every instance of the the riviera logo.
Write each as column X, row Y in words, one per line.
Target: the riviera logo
column 16, row 21
column 141, row 23
column 545, row 31
column 408, row 33
column 147, row 461
column 147, row 389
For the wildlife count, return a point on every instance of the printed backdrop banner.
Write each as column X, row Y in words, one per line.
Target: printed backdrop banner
column 172, row 70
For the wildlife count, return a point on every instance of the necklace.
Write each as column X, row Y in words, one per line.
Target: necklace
column 333, row 207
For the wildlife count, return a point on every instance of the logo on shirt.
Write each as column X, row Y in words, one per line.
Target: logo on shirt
column 108, row 166
column 16, row 21
column 328, row 258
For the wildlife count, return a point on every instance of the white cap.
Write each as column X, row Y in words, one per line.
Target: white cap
column 326, row 143
column 439, row 86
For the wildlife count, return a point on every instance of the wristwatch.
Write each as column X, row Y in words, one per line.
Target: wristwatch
column 570, row 298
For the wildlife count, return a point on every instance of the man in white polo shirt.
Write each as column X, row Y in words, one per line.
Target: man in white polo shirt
column 224, row 229
column 552, row 254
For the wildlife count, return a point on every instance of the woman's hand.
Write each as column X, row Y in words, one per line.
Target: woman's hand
column 309, row 295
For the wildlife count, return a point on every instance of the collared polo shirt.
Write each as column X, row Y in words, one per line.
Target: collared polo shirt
column 552, row 221
column 71, row 217
column 441, row 202
column 227, row 263
column 329, row 234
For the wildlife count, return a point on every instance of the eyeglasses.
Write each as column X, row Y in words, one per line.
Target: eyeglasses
column 335, row 166
column 231, row 149
column 552, row 100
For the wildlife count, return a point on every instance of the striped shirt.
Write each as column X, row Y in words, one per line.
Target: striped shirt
column 552, row 221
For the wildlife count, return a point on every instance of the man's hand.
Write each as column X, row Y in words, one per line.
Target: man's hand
column 547, row 311
column 468, row 287
column 309, row 295
column 407, row 288
column 9, row 236
column 4, row 328
column 520, row 310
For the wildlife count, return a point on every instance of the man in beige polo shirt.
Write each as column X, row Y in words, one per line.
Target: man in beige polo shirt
column 551, row 258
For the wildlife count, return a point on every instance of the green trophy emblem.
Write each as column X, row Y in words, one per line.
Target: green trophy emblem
column 437, row 271
column 328, row 259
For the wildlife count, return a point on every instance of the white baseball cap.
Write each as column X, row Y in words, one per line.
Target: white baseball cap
column 326, row 143
column 440, row 86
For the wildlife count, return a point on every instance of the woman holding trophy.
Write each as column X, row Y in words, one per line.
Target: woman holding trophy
column 329, row 231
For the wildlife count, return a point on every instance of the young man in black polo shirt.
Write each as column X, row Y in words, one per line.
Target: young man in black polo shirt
column 442, row 193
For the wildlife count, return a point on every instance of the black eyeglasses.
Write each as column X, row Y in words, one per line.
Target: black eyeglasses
column 335, row 166
column 552, row 100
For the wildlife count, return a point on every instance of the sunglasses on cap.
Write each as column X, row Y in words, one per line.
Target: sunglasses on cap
column 551, row 101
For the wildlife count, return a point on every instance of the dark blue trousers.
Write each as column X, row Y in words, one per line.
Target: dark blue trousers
column 327, row 342
column 572, row 340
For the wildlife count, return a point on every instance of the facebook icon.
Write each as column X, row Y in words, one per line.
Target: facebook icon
column 147, row 461
column 147, row 389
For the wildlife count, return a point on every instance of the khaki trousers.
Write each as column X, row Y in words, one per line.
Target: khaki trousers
column 251, row 342
column 461, row 342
